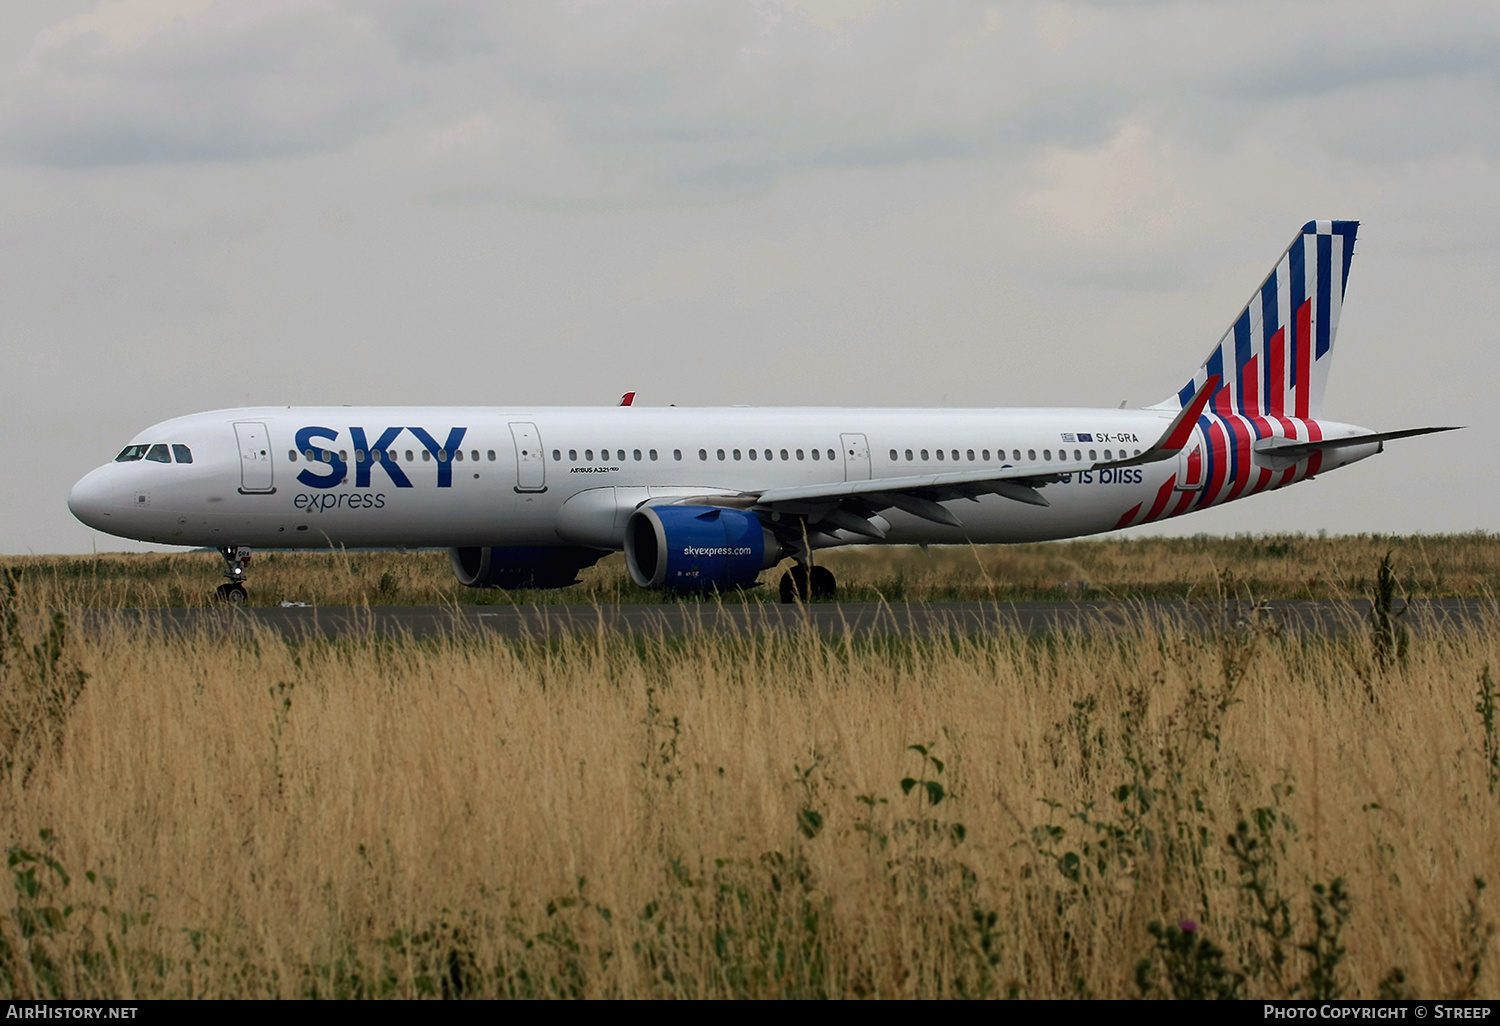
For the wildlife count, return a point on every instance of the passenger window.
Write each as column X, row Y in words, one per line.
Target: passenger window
column 1077, row 456
column 753, row 454
column 182, row 454
column 158, row 454
column 604, row 455
column 908, row 455
column 1031, row 455
column 677, row 454
column 799, row 454
column 344, row 455
column 572, row 455
column 941, row 455
column 769, row 454
column 1093, row 454
column 620, row 455
column 784, row 456
column 652, row 454
column 426, row 456
column 310, row 456
column 971, row 455
column 131, row 453
column 703, row 454
column 721, row 454
column 924, row 456
column 408, row 456
column 556, row 455
column 893, row 455
column 474, row 455
column 736, row 454
column 1016, row 455
column 492, row 455
column 291, row 454
column 636, row 454
column 817, row 455
column 359, row 455
column 985, row 455
column 830, row 454
column 1047, row 455
column 588, row 454
column 1107, row 456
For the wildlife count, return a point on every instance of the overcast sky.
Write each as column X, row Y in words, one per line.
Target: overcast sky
column 844, row 202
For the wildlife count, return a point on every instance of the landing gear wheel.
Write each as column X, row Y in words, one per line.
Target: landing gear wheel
column 805, row 584
column 795, row 585
column 823, row 584
column 236, row 559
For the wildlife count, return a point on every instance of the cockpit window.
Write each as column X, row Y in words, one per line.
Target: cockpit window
column 131, row 453
column 182, row 454
column 158, row 453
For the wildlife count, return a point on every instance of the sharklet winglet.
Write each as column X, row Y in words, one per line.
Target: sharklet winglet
column 1178, row 432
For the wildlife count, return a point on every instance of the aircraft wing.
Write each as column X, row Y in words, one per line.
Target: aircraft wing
column 850, row 505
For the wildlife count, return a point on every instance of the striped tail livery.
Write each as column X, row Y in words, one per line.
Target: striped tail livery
column 1273, row 361
column 1262, row 425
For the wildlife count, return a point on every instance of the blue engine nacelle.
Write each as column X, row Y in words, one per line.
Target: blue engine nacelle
column 516, row 566
column 697, row 548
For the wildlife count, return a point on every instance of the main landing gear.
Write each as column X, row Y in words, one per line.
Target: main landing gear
column 236, row 559
column 805, row 583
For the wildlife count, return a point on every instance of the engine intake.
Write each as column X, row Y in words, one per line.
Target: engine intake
column 516, row 566
column 697, row 548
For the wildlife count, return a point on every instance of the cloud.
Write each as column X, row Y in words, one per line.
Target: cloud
column 1128, row 186
column 139, row 81
column 704, row 98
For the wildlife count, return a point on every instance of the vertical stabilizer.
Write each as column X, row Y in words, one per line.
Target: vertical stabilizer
column 1274, row 359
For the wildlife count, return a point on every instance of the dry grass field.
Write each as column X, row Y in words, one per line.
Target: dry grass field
column 1285, row 567
column 1148, row 812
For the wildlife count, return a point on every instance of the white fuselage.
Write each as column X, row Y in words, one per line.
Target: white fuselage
column 385, row 476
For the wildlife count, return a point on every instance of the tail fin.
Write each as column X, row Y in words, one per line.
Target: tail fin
column 1274, row 359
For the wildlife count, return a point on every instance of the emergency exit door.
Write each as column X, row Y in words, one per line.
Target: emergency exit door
column 856, row 457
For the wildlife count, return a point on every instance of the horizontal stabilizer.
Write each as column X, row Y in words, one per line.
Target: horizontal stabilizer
column 1293, row 449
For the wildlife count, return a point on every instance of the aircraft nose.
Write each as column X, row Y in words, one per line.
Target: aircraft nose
column 91, row 499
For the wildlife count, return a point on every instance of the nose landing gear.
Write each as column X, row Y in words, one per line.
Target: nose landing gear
column 236, row 559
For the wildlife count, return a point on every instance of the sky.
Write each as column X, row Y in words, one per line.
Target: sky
column 210, row 204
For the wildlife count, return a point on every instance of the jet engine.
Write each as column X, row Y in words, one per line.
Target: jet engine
column 516, row 566
column 697, row 548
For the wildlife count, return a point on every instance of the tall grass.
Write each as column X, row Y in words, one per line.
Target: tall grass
column 1277, row 567
column 777, row 814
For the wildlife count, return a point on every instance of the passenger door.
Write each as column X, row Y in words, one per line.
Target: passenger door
column 255, row 458
column 531, row 462
column 1191, row 465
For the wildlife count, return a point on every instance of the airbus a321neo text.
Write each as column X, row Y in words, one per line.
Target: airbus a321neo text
column 704, row 499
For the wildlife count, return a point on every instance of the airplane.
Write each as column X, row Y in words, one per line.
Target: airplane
column 703, row 499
